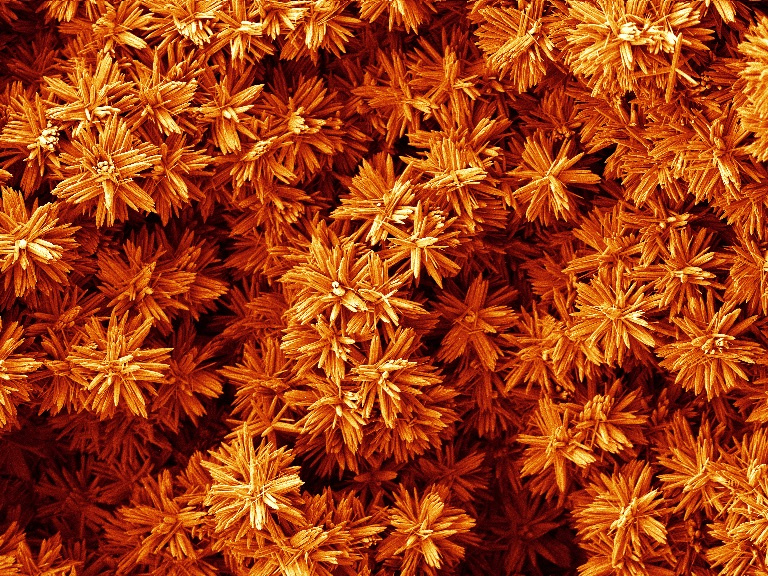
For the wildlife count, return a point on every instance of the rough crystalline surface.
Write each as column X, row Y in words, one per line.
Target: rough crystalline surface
column 383, row 288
